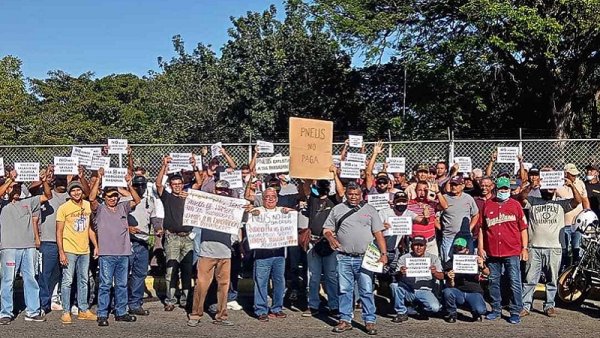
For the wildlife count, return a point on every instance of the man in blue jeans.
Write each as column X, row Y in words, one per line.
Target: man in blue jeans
column 349, row 229
column 114, row 248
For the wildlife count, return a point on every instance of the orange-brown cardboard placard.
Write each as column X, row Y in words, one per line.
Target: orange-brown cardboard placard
column 310, row 148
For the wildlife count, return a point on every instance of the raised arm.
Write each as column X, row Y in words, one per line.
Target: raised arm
column 136, row 198
column 369, row 180
column 161, row 173
column 198, row 174
column 252, row 164
column 344, row 150
column 339, row 187
column 228, row 158
column 129, row 160
column 47, row 195
column 84, row 182
column 490, row 166
column 95, row 189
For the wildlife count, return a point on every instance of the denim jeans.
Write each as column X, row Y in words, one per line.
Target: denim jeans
column 453, row 297
column 113, row 268
column 138, row 268
column 569, row 239
column 511, row 266
column 79, row 264
column 349, row 273
column 179, row 252
column 264, row 268
column 404, row 293
column 13, row 260
column 541, row 259
column 197, row 240
column 327, row 266
column 50, row 274
column 236, row 267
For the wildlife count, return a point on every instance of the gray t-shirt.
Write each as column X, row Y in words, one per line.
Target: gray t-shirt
column 356, row 231
column 546, row 219
column 16, row 223
column 215, row 244
column 48, row 216
column 419, row 282
column 140, row 216
column 458, row 215
column 113, row 230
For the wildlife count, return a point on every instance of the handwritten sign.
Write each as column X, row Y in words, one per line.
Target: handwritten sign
column 2, row 174
column 399, row 226
column 465, row 165
column 310, row 148
column 265, row 147
column 65, row 165
column 396, row 164
column 379, row 201
column 378, row 167
column 180, row 161
column 355, row 141
column 215, row 149
column 114, row 177
column 526, row 165
column 99, row 162
column 507, row 154
column 272, row 229
column 418, row 267
column 210, row 211
column 27, row 171
column 83, row 155
column 273, row 165
column 371, row 259
column 465, row 264
column 117, row 146
column 552, row 179
column 234, row 178
column 350, row 169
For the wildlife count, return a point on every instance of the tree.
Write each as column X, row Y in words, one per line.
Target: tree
column 15, row 102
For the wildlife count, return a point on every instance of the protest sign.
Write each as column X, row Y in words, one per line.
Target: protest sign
column 371, row 259
column 310, row 148
column 396, row 164
column 99, row 162
column 465, row 264
column 215, row 149
column 273, row 165
column 526, row 165
column 337, row 159
column 114, row 177
column 65, row 165
column 399, row 226
column 418, row 267
column 117, row 146
column 96, row 151
column 265, row 147
column 27, row 171
column 83, row 155
column 355, row 141
column 350, row 169
column 2, row 167
column 215, row 212
column 180, row 161
column 507, row 154
column 356, row 157
column 465, row 165
column 378, row 167
column 552, row 179
column 272, row 229
column 234, row 178
column 379, row 201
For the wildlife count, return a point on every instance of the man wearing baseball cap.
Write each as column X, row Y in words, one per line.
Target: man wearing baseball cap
column 422, row 174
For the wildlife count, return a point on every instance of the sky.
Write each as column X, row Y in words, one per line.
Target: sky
column 110, row 36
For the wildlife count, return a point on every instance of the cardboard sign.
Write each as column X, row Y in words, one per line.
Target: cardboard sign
column 507, row 154
column 310, row 148
column 396, row 164
column 526, row 165
column 215, row 149
column 2, row 174
column 465, row 264
column 114, row 177
column 349, row 169
column 27, row 171
column 117, row 146
column 355, row 141
column 65, row 165
column 272, row 229
column 400, row 226
column 234, row 178
column 371, row 259
column 379, row 201
column 465, row 165
column 265, row 147
column 418, row 267
column 210, row 211
column 99, row 162
column 273, row 165
column 552, row 179
column 84, row 155
column 180, row 161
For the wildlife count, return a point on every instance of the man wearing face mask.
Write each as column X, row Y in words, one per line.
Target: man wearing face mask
column 592, row 187
column 426, row 207
column 399, row 209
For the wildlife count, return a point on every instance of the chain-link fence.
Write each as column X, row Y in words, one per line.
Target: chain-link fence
column 542, row 153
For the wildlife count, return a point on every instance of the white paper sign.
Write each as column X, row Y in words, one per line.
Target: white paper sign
column 27, row 171
column 465, row 165
column 210, row 211
column 2, row 167
column 84, row 155
column 552, row 179
column 355, row 141
column 65, row 165
column 507, row 154
column 234, row 178
column 96, row 151
column 379, row 201
column 99, row 162
column 114, row 177
column 418, row 267
column 371, row 259
column 180, row 161
column 265, row 147
column 272, row 229
column 117, row 146
column 465, row 264
column 198, row 159
column 337, row 159
column 399, row 226
column 215, row 149
column 526, row 165
column 357, row 157
column 396, row 164
column 273, row 165
column 350, row 169
column 378, row 167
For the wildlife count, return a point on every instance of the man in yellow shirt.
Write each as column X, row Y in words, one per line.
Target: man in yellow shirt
column 73, row 236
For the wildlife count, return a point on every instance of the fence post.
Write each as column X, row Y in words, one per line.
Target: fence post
column 390, row 147
column 250, row 147
column 450, row 147
column 521, row 141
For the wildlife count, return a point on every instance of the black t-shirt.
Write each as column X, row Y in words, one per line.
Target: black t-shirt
column 318, row 210
column 465, row 282
column 593, row 192
column 173, row 206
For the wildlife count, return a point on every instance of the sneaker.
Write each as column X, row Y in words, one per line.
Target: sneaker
column 493, row 316
column 56, row 307
column 551, row 312
column 193, row 322
column 102, row 321
column 524, row 313
column 342, row 326
column 66, row 318
column 36, row 318
column 139, row 312
column 5, row 320
column 222, row 322
column 263, row 318
column 74, row 310
column 87, row 315
column 370, row 328
column 514, row 319
column 278, row 315
column 451, row 318
column 169, row 307
column 310, row 312
column 476, row 317
column 234, row 305
column 401, row 317
column 125, row 318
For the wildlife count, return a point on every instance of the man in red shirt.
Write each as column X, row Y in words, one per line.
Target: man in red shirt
column 503, row 240
column 426, row 208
